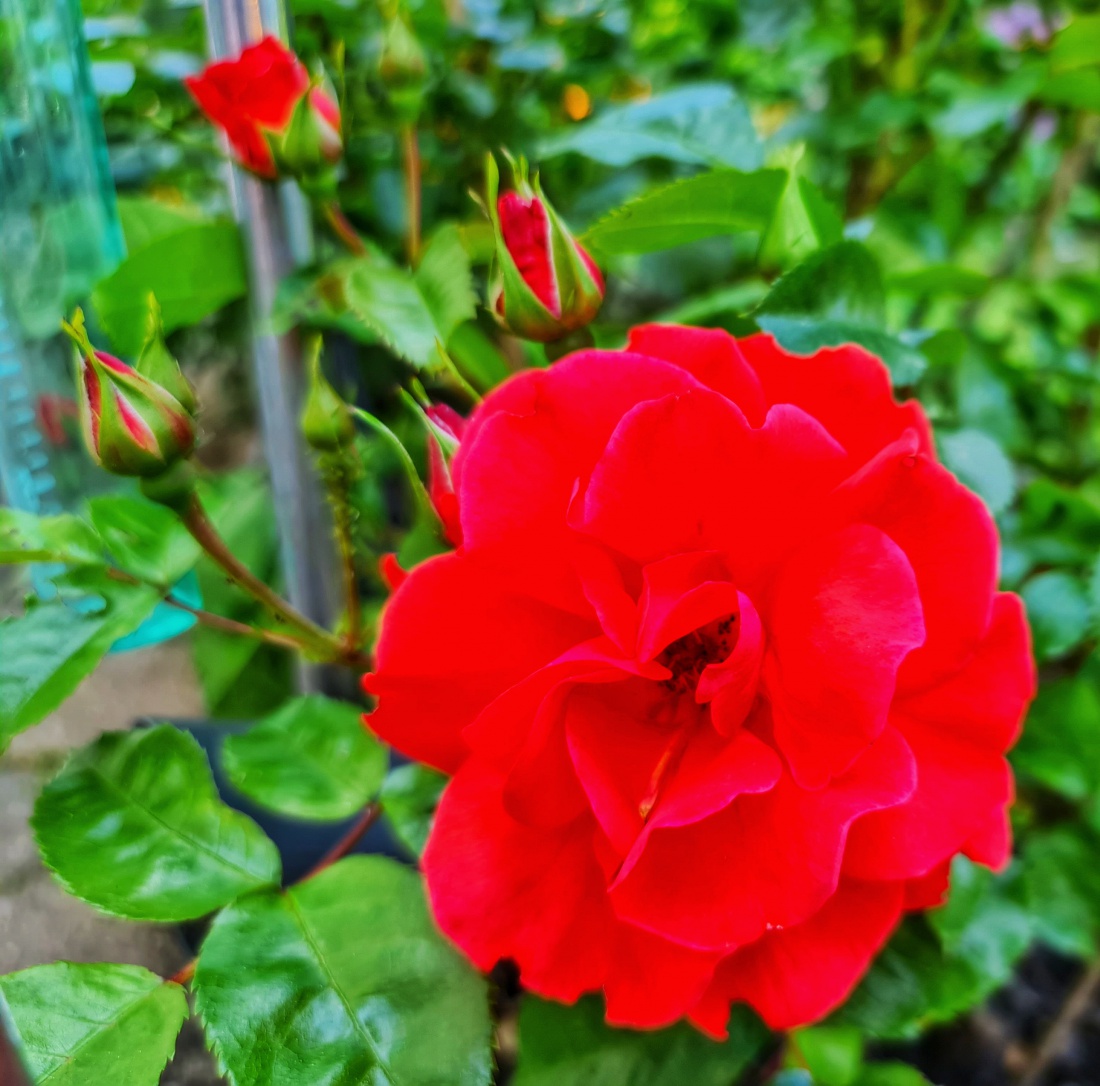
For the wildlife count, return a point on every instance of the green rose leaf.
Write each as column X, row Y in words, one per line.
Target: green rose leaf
column 312, row 759
column 835, row 297
column 193, row 271
column 891, row 1074
column 1061, row 877
column 705, row 124
column 572, row 1046
column 443, row 278
column 410, row 796
column 834, row 1054
column 710, row 205
column 83, row 1024
column 145, row 539
column 342, row 978
column 62, row 539
column 134, row 826
column 1058, row 608
column 48, row 651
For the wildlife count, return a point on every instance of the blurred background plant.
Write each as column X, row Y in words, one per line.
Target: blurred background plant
column 919, row 176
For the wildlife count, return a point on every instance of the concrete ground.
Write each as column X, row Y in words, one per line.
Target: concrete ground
column 40, row 923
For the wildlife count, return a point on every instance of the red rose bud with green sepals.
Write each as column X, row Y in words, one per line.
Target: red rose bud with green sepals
column 447, row 428
column 277, row 120
column 546, row 285
column 132, row 425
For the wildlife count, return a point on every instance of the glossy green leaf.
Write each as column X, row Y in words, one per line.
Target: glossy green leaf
column 144, row 538
column 705, row 124
column 443, row 278
column 981, row 464
column 1058, row 609
column 803, row 222
column 133, row 825
column 49, row 650
column 193, row 271
column 79, row 1025
column 144, row 219
column 572, row 1046
column 833, row 1054
column 64, row 538
column 410, row 796
column 710, row 205
column 312, row 759
column 342, row 978
column 833, row 298
column 388, row 301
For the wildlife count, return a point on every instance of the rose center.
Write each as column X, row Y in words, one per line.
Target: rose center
column 689, row 656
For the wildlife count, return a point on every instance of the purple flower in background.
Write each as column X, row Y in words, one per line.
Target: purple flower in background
column 1018, row 24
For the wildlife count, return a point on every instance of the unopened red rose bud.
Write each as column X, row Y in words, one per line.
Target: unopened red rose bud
column 546, row 285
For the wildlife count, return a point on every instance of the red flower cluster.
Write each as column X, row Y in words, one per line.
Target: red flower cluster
column 252, row 98
column 720, row 670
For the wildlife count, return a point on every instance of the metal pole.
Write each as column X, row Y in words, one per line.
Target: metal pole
column 275, row 225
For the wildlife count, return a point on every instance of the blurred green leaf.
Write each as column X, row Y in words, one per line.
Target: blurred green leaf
column 144, row 219
column 313, row 759
column 83, row 1024
column 1062, row 886
column 193, row 272
column 1058, row 609
column 981, row 464
column 443, row 277
column 48, row 651
column 572, row 1046
column 64, row 538
column 891, row 1074
column 145, row 539
column 833, row 1054
column 410, row 795
column 134, row 826
column 712, row 204
column 1076, row 45
column 705, row 124
column 342, row 978
column 1060, row 746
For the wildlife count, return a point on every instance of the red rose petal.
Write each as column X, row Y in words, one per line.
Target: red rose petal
column 525, row 449
column 845, row 388
column 710, row 354
column 844, row 613
column 452, row 640
column 766, row 859
column 796, row 976
column 500, row 889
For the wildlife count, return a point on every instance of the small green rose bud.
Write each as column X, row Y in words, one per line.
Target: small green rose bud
column 131, row 424
column 402, row 65
column 545, row 285
column 327, row 423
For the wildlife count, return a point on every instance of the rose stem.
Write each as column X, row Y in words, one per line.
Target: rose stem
column 1063, row 1027
column 370, row 815
column 342, row 228
column 218, row 622
column 198, row 524
column 411, row 146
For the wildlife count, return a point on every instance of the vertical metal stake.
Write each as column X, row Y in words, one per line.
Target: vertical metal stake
column 271, row 219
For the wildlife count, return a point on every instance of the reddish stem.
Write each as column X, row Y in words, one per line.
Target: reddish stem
column 370, row 815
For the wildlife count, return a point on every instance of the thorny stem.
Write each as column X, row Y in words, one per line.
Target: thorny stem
column 411, row 147
column 198, row 524
column 342, row 228
column 336, row 483
column 1063, row 1027
column 219, row 622
column 184, row 975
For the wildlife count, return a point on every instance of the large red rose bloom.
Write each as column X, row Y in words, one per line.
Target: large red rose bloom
column 720, row 670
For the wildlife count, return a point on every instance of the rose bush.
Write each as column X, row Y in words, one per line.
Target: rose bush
column 720, row 670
